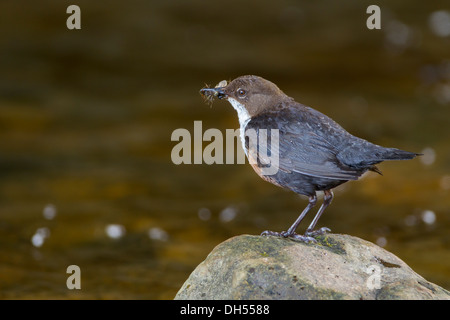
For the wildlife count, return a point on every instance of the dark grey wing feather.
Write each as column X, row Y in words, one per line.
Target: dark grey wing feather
column 303, row 148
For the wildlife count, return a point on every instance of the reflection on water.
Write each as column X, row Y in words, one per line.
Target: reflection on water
column 86, row 119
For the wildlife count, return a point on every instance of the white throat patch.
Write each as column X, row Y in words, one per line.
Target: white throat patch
column 244, row 118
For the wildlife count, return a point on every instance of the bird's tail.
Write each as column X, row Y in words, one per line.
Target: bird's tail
column 365, row 155
column 396, row 154
column 391, row 154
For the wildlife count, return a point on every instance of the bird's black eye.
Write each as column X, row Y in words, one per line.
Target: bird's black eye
column 241, row 93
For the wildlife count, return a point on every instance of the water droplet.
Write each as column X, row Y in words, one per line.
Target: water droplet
column 158, row 234
column 115, row 231
column 428, row 216
column 439, row 22
column 227, row 214
column 445, row 182
column 411, row 220
column 39, row 237
column 49, row 212
column 429, row 156
column 381, row 241
column 204, row 214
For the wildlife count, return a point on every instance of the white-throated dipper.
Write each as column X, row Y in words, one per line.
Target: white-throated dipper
column 314, row 152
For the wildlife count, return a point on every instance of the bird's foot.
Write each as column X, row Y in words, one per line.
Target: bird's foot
column 293, row 235
column 318, row 232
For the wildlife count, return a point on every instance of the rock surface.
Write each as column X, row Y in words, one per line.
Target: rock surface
column 336, row 267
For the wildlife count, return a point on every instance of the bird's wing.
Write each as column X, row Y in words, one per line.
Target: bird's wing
column 302, row 147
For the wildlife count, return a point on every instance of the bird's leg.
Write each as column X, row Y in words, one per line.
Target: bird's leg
column 291, row 231
column 327, row 198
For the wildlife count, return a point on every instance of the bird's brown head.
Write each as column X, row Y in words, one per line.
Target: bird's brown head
column 253, row 93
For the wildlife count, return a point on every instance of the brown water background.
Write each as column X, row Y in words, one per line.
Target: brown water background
column 86, row 118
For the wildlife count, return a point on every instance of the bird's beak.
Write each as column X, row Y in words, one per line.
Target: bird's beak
column 214, row 92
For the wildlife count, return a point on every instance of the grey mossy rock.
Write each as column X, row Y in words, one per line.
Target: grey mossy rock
column 336, row 267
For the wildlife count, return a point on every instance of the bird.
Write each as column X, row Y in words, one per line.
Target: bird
column 315, row 154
